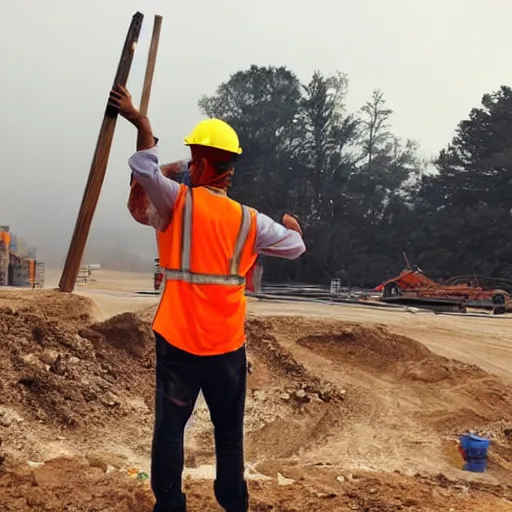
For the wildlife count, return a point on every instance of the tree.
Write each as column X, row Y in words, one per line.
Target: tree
column 328, row 133
column 380, row 193
column 374, row 120
column 468, row 203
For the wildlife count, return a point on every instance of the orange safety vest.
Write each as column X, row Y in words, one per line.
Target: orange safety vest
column 205, row 254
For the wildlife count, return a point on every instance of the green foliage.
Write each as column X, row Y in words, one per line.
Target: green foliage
column 362, row 193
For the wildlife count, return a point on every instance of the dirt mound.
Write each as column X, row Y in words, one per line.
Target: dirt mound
column 454, row 395
column 71, row 373
column 295, row 408
column 128, row 332
column 279, row 363
column 56, row 370
column 52, row 305
column 400, row 400
column 377, row 350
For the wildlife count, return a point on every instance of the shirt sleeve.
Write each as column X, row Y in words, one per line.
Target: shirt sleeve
column 161, row 191
column 273, row 239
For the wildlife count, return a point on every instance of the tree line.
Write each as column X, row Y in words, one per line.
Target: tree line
column 362, row 194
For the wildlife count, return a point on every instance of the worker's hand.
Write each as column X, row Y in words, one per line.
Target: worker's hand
column 121, row 100
column 291, row 222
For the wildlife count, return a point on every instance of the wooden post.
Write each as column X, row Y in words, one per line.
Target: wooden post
column 148, row 79
column 98, row 165
column 150, row 69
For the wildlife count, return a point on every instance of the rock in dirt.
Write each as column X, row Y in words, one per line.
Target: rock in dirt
column 107, row 462
column 34, row 465
column 260, row 395
column 324, row 495
column 282, row 480
column 49, row 356
column 9, row 417
column 302, row 396
column 30, row 359
column 110, row 400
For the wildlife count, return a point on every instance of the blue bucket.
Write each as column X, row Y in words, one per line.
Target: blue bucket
column 475, row 450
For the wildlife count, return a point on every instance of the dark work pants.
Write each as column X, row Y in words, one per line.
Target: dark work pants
column 179, row 378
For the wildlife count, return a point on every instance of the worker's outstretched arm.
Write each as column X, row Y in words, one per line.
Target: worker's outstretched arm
column 274, row 239
column 161, row 191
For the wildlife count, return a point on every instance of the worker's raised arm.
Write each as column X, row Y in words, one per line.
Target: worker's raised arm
column 273, row 239
column 161, row 191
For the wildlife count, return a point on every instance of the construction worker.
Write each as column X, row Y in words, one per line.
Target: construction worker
column 207, row 244
column 141, row 209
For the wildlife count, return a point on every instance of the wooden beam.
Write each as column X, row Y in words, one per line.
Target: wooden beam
column 98, row 165
column 148, row 82
column 150, row 68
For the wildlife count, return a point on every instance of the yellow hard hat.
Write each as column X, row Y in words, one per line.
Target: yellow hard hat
column 215, row 133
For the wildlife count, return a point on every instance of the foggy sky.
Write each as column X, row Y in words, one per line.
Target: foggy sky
column 433, row 61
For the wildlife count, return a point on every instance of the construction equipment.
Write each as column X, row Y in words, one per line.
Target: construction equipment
column 18, row 267
column 413, row 285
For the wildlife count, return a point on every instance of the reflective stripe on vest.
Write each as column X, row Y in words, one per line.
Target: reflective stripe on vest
column 185, row 274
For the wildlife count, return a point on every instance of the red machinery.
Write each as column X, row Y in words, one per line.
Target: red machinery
column 412, row 283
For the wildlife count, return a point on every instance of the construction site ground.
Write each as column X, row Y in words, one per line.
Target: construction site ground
column 348, row 408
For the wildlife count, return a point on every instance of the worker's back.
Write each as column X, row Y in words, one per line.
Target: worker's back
column 206, row 252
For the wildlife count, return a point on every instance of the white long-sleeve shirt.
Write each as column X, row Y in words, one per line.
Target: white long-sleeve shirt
column 272, row 238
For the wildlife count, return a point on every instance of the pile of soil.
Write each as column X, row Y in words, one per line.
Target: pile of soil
column 66, row 372
column 278, row 363
column 63, row 307
column 395, row 357
column 58, row 371
column 300, row 408
column 470, row 397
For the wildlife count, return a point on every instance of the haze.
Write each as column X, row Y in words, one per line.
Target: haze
column 433, row 61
